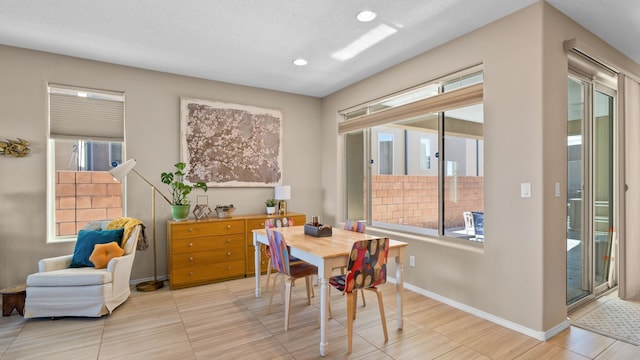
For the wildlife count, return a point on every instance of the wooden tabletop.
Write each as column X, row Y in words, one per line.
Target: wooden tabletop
column 14, row 290
column 338, row 244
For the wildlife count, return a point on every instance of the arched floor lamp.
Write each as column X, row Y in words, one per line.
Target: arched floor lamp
column 119, row 173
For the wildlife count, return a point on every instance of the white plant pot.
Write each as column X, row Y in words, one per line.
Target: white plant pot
column 271, row 210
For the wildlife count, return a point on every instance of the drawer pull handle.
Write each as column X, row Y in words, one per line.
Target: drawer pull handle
column 228, row 241
column 229, row 267
column 229, row 253
column 191, row 244
column 190, row 229
column 190, row 273
column 228, row 226
column 190, row 258
column 261, row 224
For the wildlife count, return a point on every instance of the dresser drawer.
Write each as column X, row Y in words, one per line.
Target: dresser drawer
column 255, row 224
column 207, row 257
column 199, row 229
column 208, row 272
column 206, row 243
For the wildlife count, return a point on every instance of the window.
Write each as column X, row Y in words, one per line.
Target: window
column 86, row 135
column 385, row 154
column 425, row 154
column 429, row 153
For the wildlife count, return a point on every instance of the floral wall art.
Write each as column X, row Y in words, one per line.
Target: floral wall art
column 227, row 144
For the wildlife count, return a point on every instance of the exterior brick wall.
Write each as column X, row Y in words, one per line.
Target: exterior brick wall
column 413, row 200
column 84, row 196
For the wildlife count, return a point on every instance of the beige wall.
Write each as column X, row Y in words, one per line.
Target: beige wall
column 519, row 276
column 152, row 138
column 517, row 279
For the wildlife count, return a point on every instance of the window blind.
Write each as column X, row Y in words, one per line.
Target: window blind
column 453, row 99
column 85, row 113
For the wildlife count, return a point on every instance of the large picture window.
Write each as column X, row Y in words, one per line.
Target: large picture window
column 86, row 137
column 436, row 145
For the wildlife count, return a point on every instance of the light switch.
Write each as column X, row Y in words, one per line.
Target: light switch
column 525, row 190
column 557, row 190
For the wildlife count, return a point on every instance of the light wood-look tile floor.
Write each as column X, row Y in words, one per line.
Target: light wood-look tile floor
column 226, row 321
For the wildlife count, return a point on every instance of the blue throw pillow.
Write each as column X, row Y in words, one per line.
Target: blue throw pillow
column 87, row 239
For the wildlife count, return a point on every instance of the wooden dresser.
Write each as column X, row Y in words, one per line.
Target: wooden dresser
column 210, row 250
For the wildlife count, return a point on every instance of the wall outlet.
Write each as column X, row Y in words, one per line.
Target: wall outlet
column 412, row 261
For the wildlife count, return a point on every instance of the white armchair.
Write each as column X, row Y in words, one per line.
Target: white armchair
column 57, row 290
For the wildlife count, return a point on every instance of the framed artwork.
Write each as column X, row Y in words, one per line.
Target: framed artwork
column 227, row 144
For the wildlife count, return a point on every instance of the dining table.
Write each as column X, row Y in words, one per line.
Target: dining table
column 329, row 253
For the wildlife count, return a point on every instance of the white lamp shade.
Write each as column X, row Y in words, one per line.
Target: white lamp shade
column 120, row 171
column 283, row 192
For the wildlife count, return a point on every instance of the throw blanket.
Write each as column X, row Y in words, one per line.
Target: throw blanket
column 128, row 224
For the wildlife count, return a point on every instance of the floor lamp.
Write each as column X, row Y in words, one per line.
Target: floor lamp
column 119, row 173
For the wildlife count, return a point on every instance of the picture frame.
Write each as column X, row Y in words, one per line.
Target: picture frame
column 230, row 145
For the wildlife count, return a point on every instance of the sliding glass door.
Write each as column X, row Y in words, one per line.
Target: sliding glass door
column 590, row 188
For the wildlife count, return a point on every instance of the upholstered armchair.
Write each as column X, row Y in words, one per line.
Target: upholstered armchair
column 58, row 290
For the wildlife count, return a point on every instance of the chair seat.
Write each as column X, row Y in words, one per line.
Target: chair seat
column 300, row 270
column 70, row 277
column 338, row 281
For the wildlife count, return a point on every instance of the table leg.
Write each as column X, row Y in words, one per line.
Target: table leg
column 257, row 267
column 400, row 289
column 324, row 314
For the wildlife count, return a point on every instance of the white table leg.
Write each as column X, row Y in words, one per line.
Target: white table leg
column 324, row 315
column 256, row 245
column 400, row 289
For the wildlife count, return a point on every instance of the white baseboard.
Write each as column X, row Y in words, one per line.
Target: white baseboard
column 538, row 335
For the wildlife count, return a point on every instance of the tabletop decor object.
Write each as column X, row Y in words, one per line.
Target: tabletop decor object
column 202, row 209
column 271, row 206
column 180, row 190
column 282, row 193
column 225, row 211
column 318, row 230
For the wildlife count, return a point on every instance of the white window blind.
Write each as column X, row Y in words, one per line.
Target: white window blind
column 85, row 113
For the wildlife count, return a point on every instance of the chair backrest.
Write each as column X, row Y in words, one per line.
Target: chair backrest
column 276, row 223
column 130, row 244
column 357, row 226
column 468, row 223
column 478, row 223
column 279, row 251
column 367, row 266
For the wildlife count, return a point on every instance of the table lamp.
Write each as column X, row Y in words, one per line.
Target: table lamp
column 119, row 173
column 282, row 193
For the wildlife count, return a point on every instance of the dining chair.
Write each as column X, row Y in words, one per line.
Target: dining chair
column 276, row 223
column 367, row 269
column 360, row 227
column 293, row 271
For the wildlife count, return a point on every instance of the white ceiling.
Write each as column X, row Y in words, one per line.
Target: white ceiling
column 253, row 42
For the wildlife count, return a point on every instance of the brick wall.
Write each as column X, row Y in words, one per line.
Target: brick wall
column 83, row 196
column 413, row 200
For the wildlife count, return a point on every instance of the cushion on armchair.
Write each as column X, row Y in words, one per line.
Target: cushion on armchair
column 87, row 241
column 103, row 253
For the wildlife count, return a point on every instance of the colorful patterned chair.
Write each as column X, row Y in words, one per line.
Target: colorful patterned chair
column 359, row 227
column 367, row 269
column 276, row 223
column 293, row 271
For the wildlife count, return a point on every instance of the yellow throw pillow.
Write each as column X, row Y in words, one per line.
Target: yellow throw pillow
column 102, row 253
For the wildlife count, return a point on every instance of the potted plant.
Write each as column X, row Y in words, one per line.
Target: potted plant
column 179, row 191
column 271, row 206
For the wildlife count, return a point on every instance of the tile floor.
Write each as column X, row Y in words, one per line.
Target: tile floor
column 226, row 321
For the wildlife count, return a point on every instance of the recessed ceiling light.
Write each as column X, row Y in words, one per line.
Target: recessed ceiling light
column 366, row 15
column 300, row 62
